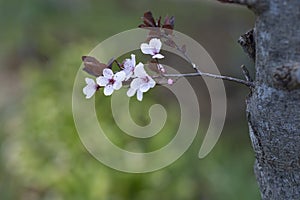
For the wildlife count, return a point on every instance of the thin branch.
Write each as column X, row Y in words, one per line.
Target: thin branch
column 241, row 2
column 228, row 78
column 246, row 73
column 195, row 67
column 200, row 73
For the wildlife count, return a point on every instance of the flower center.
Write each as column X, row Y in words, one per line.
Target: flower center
column 112, row 81
column 145, row 79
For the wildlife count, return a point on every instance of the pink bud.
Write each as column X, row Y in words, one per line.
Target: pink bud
column 170, row 81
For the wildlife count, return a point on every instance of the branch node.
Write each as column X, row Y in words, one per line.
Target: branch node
column 246, row 73
column 247, row 42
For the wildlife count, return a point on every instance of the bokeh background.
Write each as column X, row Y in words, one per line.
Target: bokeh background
column 41, row 156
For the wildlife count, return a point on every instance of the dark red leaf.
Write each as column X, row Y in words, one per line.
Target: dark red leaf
column 148, row 19
column 142, row 26
column 169, row 22
column 159, row 21
column 92, row 66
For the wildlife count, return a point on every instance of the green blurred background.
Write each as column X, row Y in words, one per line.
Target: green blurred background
column 41, row 156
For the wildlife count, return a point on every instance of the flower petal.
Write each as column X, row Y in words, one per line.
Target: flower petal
column 133, row 60
column 155, row 44
column 135, row 83
column 146, row 49
column 120, row 76
column 139, row 95
column 108, row 73
column 102, row 81
column 151, row 82
column 117, row 85
column 131, row 92
column 158, row 56
column 128, row 75
column 89, row 91
column 139, row 70
column 144, row 87
column 108, row 90
column 129, row 64
column 89, row 81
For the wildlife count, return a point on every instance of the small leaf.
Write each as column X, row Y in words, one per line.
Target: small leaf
column 92, row 66
column 169, row 25
column 159, row 21
column 148, row 20
column 169, row 22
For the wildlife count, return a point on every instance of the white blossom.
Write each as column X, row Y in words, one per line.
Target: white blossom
column 152, row 48
column 141, row 83
column 111, row 81
column 129, row 65
column 90, row 88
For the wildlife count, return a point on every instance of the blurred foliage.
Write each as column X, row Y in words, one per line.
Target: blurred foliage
column 41, row 154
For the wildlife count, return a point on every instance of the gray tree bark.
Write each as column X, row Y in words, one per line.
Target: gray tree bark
column 273, row 107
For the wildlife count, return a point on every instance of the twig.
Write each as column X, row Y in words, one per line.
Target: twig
column 242, row 2
column 247, row 82
column 195, row 67
column 203, row 74
column 246, row 73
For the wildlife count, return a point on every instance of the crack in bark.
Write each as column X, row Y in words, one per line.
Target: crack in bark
column 257, row 144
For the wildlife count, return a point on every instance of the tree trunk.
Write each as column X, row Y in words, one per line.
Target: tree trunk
column 273, row 107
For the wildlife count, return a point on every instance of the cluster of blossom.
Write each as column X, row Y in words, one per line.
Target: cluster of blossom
column 141, row 81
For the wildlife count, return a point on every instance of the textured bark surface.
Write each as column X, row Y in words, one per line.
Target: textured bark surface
column 273, row 108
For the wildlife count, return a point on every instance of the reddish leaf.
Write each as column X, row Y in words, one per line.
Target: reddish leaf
column 169, row 22
column 142, row 26
column 158, row 21
column 148, row 20
column 92, row 66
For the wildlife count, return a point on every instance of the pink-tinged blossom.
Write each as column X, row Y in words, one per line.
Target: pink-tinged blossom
column 111, row 81
column 90, row 88
column 141, row 83
column 152, row 48
column 170, row 81
column 128, row 66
